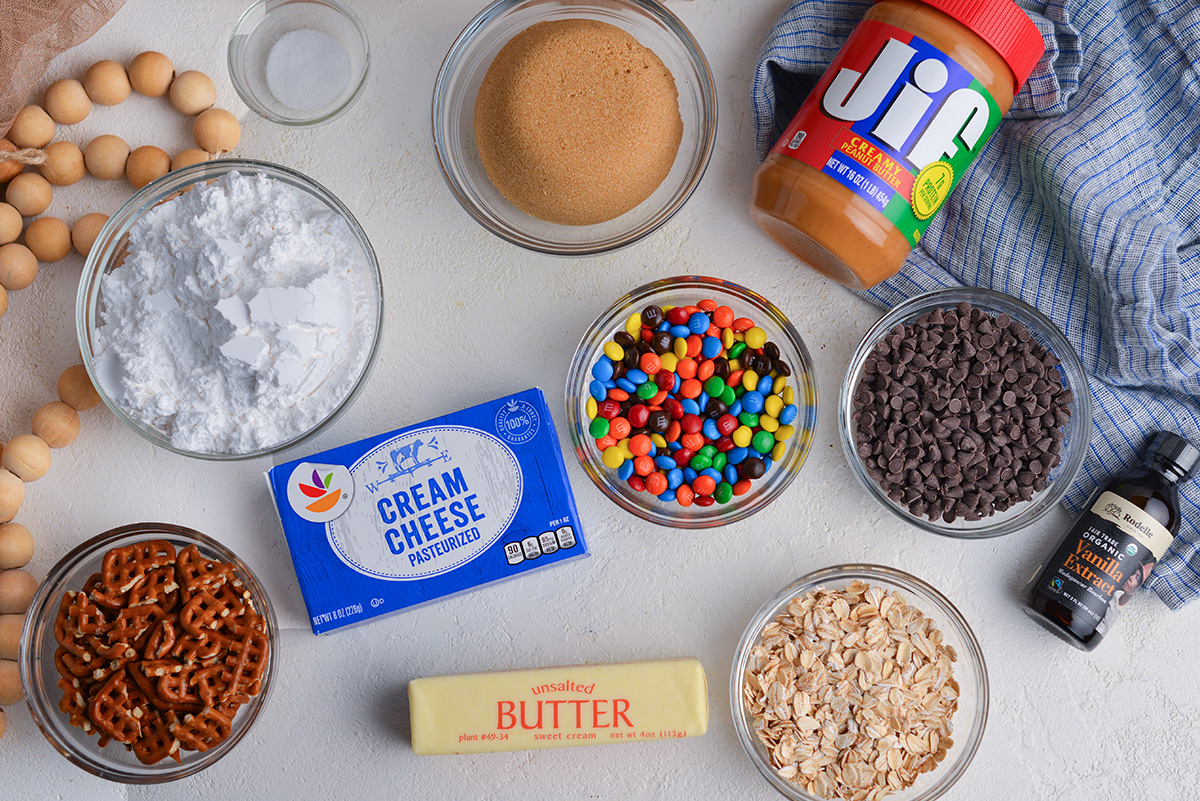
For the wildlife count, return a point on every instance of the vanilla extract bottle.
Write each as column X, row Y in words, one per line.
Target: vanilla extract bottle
column 1110, row 550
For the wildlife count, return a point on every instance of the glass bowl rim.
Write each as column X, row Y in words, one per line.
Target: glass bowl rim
column 578, row 377
column 918, row 593
column 707, row 136
column 116, row 228
column 1045, row 330
column 236, row 75
column 41, row 610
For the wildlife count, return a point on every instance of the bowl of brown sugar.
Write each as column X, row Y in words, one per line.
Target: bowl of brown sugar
column 574, row 128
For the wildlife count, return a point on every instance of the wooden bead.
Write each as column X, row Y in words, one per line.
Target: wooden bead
column 10, row 224
column 10, row 682
column 16, row 546
column 145, row 164
column 29, row 193
column 192, row 92
column 18, row 267
column 56, row 423
column 216, row 131
column 26, row 456
column 105, row 156
column 86, row 229
column 9, row 169
column 75, row 389
column 12, row 495
column 3, row 301
column 187, row 158
column 10, row 635
column 67, row 102
column 64, row 164
column 48, row 238
column 16, row 591
column 106, row 83
column 32, row 127
column 150, row 73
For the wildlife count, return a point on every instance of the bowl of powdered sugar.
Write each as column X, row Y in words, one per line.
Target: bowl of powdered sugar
column 230, row 310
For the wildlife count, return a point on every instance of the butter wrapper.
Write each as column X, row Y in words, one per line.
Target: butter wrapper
column 557, row 707
column 428, row 511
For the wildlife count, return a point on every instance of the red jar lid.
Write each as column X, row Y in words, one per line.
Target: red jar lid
column 1004, row 26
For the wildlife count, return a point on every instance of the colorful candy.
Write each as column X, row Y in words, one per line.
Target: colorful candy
column 691, row 404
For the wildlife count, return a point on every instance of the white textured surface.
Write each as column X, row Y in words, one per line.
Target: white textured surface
column 469, row 318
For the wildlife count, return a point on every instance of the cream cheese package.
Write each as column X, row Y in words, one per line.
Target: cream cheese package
column 513, row 710
column 428, row 511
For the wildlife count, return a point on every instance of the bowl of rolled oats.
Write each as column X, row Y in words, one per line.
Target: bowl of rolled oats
column 859, row 682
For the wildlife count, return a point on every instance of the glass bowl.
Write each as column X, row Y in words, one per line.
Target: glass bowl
column 1075, row 439
column 110, row 250
column 681, row 291
column 458, row 83
column 264, row 23
column 969, row 671
column 39, row 676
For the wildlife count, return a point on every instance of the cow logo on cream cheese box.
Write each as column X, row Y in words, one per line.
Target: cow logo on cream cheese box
column 429, row 501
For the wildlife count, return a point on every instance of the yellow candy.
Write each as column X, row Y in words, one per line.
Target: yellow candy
column 666, row 308
column 624, row 446
column 788, row 395
column 727, row 338
column 735, row 365
column 742, row 436
column 778, row 451
column 773, row 405
column 614, row 351
column 768, row 423
column 590, row 408
column 780, row 383
column 680, row 347
column 633, row 325
column 784, row 433
column 756, row 338
column 658, row 440
column 750, row 380
column 613, row 457
column 669, row 362
column 739, row 337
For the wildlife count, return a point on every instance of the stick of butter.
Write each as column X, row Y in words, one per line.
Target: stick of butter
column 555, row 707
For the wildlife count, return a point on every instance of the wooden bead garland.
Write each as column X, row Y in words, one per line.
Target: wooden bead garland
column 28, row 147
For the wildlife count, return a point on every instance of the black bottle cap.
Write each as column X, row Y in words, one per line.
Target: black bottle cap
column 1174, row 454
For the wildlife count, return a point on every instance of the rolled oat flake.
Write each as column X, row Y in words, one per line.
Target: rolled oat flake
column 1109, row 552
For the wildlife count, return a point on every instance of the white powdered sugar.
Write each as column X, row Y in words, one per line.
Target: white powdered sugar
column 241, row 317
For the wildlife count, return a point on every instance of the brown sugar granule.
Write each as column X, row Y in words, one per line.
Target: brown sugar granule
column 577, row 122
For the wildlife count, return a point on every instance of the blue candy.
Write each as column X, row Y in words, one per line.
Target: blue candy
column 681, row 331
column 709, row 430
column 597, row 391
column 736, row 408
column 766, row 460
column 636, row 376
column 788, row 414
column 702, row 400
column 674, row 446
column 625, row 470
column 752, row 402
column 627, row 385
column 710, row 348
column 712, row 473
column 609, row 383
column 698, row 323
column 664, row 462
column 765, row 385
column 667, row 496
column 736, row 455
column 690, row 406
column 731, row 474
column 663, row 326
column 689, row 474
column 603, row 369
column 674, row 478
column 678, row 384
column 653, row 450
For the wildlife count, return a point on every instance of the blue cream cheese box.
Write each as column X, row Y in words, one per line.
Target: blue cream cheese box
column 425, row 512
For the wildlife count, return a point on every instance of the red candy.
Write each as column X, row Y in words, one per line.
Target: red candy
column 727, row 424
column 683, row 456
column 674, row 408
column 636, row 482
column 608, row 409
column 678, row 315
column 692, row 424
column 639, row 415
column 705, row 500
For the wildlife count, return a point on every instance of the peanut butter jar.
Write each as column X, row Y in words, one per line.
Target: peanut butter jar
column 908, row 102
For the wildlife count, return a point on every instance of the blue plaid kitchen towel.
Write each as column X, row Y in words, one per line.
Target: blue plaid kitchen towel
column 1085, row 204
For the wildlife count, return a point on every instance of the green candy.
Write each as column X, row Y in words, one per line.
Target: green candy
column 739, row 391
column 700, row 462
column 708, row 450
column 598, row 428
column 763, row 441
column 737, row 349
column 719, row 460
column 749, row 419
column 647, row 390
column 728, row 396
column 714, row 387
column 723, row 493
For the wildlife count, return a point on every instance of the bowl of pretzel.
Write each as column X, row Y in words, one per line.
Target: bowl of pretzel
column 147, row 653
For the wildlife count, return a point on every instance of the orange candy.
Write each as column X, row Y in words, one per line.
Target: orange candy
column 693, row 345
column 656, row 483
column 706, row 370
column 607, row 441
column 656, row 401
column 742, row 324
column 618, row 394
column 707, row 305
column 691, row 388
column 686, row 368
column 722, row 316
column 644, row 466
column 693, row 442
column 673, row 431
column 619, row 428
column 735, row 378
column 741, row 487
column 639, row 445
column 650, row 363
column 703, row 485
column 684, row 495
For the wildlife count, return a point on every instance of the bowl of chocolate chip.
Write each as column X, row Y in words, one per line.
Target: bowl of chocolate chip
column 966, row 412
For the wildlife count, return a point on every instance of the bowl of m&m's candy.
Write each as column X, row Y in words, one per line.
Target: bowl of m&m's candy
column 691, row 402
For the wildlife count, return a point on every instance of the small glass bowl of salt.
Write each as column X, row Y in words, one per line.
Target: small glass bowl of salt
column 299, row 62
